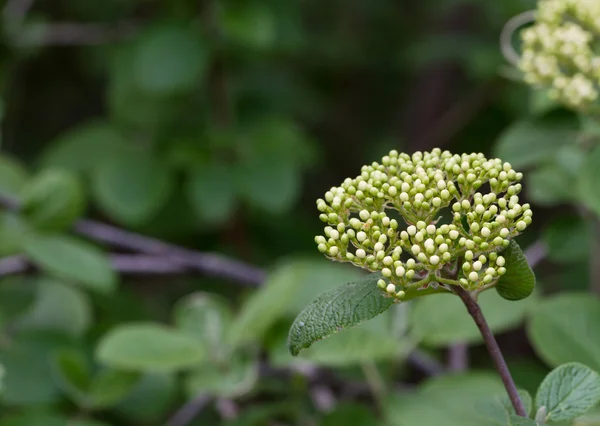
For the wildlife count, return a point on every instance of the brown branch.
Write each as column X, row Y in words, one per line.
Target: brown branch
column 493, row 349
column 458, row 357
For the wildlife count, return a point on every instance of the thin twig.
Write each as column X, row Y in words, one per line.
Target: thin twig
column 189, row 411
column 13, row 265
column 493, row 349
column 74, row 34
column 425, row 363
column 208, row 263
column 14, row 11
column 458, row 357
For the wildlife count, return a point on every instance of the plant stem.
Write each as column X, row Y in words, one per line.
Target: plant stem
column 493, row 348
column 375, row 381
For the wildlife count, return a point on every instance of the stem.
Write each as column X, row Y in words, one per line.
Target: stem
column 375, row 381
column 493, row 348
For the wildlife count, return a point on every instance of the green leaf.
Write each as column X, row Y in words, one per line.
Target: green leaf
column 2, row 374
column 589, row 182
column 170, row 60
column 212, row 192
column 442, row 320
column 13, row 231
column 363, row 343
column 343, row 307
column 540, row 103
column 515, row 420
column 68, row 258
column 72, row 374
column 12, row 177
column 83, row 147
column 132, row 187
column 568, row 239
column 33, row 417
column 563, row 329
column 57, row 307
column 527, row 143
column 53, row 200
column 549, row 185
column 499, row 408
column 228, row 379
column 206, row 317
column 149, row 347
column 447, row 400
column 267, row 304
column 150, row 399
column 519, row 281
column 111, row 386
column 348, row 413
column 29, row 379
column 17, row 296
column 250, row 25
column 270, row 185
column 568, row 392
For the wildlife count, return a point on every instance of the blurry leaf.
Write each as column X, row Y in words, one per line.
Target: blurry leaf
column 150, row 398
column 319, row 276
column 563, row 329
column 2, row 374
column 29, row 379
column 132, row 187
column 53, row 200
column 266, row 304
column 149, row 347
column 356, row 345
column 17, row 296
column 343, row 307
column 57, row 307
column 86, row 422
column 568, row 239
column 548, row 185
column 169, row 59
column 499, row 408
column 33, row 418
column 519, row 281
column 527, row 143
column 13, row 231
column 590, row 418
column 259, row 415
column 249, row 24
column 212, row 192
column 110, row 387
column 527, row 372
column 568, row 391
column 447, row 400
column 71, row 372
column 589, row 182
column 81, row 148
column 522, row 421
column 206, row 317
column 441, row 320
column 349, row 414
column 570, row 159
column 12, row 177
column 540, row 103
column 72, row 259
column 269, row 185
column 231, row 378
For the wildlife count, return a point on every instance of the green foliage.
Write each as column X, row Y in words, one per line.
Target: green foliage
column 519, row 281
column 53, row 200
column 343, row 307
column 568, row 392
column 562, row 330
column 588, row 182
column 71, row 259
column 500, row 409
column 441, row 320
column 149, row 347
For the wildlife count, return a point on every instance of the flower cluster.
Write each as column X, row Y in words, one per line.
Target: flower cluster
column 561, row 52
column 418, row 246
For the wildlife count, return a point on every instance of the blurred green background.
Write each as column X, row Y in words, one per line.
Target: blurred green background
column 214, row 125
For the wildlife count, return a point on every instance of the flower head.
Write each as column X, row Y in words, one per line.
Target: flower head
column 561, row 52
column 387, row 219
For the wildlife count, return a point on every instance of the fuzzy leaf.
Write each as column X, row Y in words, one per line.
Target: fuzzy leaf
column 519, row 281
column 343, row 307
column 568, row 391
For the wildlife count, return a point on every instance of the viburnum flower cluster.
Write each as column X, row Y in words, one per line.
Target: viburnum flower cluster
column 561, row 51
column 415, row 218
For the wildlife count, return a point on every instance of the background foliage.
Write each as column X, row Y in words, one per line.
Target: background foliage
column 214, row 125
